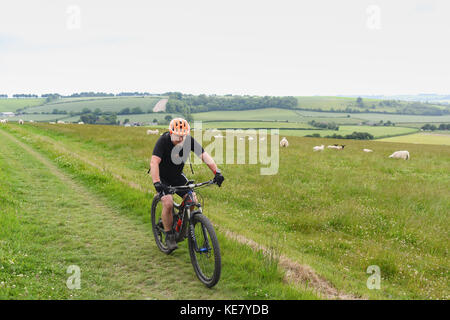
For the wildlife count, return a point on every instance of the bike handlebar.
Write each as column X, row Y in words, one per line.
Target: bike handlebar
column 190, row 186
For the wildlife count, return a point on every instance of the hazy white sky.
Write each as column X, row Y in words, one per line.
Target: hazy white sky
column 282, row 47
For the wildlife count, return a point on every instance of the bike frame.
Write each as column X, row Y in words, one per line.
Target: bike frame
column 185, row 212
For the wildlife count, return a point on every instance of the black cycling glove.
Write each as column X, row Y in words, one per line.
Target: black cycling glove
column 160, row 187
column 218, row 178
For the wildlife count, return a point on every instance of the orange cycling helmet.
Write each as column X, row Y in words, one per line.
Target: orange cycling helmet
column 179, row 126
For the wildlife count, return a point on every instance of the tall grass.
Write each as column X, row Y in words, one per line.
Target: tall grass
column 339, row 211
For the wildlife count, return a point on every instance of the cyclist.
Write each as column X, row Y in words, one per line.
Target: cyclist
column 166, row 166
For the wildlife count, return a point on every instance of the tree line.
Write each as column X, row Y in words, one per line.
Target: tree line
column 432, row 127
column 354, row 135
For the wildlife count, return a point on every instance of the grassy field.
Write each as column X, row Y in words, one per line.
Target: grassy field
column 255, row 124
column 336, row 103
column 422, row 138
column 302, row 129
column 39, row 117
column 377, row 132
column 115, row 104
column 306, row 116
column 11, row 105
column 337, row 211
column 341, row 103
column 256, row 114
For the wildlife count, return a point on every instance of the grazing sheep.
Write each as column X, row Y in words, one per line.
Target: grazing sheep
column 20, row 121
column 367, row 150
column 400, row 155
column 31, row 121
column 3, row 121
column 284, row 142
column 51, row 122
column 319, row 148
column 152, row 131
column 81, row 122
column 336, row 146
column 60, row 122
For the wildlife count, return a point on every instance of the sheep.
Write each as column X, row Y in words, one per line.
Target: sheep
column 81, row 122
column 3, row 121
column 337, row 147
column 60, row 122
column 52, row 122
column 319, row 148
column 20, row 121
column 367, row 150
column 152, row 131
column 284, row 142
column 400, row 155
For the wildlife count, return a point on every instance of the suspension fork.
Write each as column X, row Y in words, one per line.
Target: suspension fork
column 192, row 233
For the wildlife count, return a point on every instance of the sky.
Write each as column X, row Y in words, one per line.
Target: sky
column 321, row 47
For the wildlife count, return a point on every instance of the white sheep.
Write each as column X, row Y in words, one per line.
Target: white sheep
column 367, row 150
column 81, row 122
column 60, row 122
column 400, row 155
column 337, row 147
column 152, row 131
column 31, row 121
column 3, row 121
column 20, row 121
column 319, row 148
column 284, row 142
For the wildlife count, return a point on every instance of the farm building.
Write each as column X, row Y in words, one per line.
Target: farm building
column 7, row 114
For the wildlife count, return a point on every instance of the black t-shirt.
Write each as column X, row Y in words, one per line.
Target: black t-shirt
column 172, row 156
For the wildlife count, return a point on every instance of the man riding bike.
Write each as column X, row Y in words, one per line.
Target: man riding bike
column 166, row 166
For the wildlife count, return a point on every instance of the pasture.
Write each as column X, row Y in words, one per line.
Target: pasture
column 275, row 114
column 11, row 105
column 438, row 138
column 336, row 211
column 112, row 104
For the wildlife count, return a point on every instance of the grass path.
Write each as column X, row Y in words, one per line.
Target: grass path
column 296, row 273
column 117, row 257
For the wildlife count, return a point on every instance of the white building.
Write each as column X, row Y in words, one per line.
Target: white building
column 7, row 114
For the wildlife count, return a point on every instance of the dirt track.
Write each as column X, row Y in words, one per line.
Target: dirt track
column 160, row 105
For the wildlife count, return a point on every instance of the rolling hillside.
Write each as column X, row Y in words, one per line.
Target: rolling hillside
column 336, row 212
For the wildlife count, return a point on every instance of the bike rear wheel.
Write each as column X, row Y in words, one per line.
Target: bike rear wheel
column 204, row 251
column 157, row 225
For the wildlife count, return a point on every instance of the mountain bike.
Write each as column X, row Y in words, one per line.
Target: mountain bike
column 190, row 223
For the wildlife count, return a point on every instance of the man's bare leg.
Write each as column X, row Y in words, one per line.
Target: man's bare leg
column 167, row 218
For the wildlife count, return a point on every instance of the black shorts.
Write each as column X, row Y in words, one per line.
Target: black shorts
column 180, row 180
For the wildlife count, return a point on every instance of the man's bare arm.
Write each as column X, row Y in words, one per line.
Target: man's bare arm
column 209, row 161
column 154, row 168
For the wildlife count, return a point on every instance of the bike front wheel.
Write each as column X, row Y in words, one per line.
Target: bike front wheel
column 204, row 250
